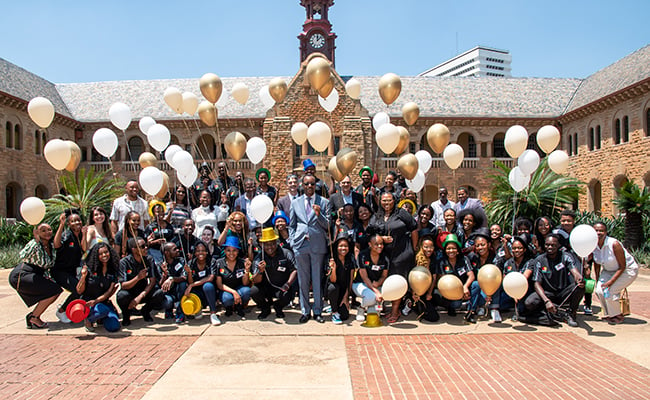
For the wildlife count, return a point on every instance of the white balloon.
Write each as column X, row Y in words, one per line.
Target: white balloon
column 558, row 161
column 394, row 288
column 548, row 137
column 255, row 149
column 120, row 115
column 159, row 137
column 518, row 180
column 319, row 136
column 266, row 98
column 146, row 123
column 515, row 285
column 223, row 99
column 183, row 162
column 299, row 132
column 240, row 93
column 353, row 88
column 417, row 183
column 151, row 180
column 380, row 119
column 57, row 153
column 32, row 209
column 528, row 161
column 583, row 239
column 387, row 138
column 424, row 160
column 261, row 208
column 41, row 111
column 190, row 102
column 105, row 142
column 453, row 155
column 170, row 152
column 174, row 99
column 188, row 180
column 330, row 103
column 516, row 140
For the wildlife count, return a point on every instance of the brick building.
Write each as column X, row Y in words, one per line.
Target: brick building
column 603, row 118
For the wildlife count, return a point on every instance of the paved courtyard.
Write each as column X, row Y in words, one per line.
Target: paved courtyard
column 280, row 359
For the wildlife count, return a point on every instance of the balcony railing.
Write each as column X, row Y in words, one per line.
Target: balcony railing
column 391, row 163
column 134, row 166
column 509, row 162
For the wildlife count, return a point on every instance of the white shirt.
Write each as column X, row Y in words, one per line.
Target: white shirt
column 122, row 206
column 439, row 209
column 202, row 216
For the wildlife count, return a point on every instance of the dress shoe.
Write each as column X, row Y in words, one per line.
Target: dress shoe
column 265, row 313
column 304, row 318
column 318, row 318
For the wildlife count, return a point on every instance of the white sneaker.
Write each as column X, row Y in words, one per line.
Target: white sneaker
column 62, row 317
column 198, row 315
column 361, row 314
column 481, row 312
column 496, row 315
column 214, row 320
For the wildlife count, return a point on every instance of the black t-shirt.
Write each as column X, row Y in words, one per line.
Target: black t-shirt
column 185, row 244
column 129, row 269
column 167, row 232
column 233, row 279
column 554, row 275
column 278, row 269
column 374, row 270
column 475, row 260
column 97, row 284
column 68, row 256
column 176, row 269
column 461, row 269
column 120, row 233
column 344, row 270
column 199, row 274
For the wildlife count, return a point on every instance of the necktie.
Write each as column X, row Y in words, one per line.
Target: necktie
column 308, row 208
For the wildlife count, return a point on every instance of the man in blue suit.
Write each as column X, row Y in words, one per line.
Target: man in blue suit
column 308, row 235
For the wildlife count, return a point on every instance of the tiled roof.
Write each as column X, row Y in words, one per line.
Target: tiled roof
column 623, row 73
column 89, row 102
column 475, row 96
column 25, row 85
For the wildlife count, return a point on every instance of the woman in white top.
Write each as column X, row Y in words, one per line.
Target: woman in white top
column 204, row 214
column 615, row 270
column 99, row 229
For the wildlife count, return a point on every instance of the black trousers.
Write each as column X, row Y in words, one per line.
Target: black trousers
column 264, row 294
column 534, row 302
column 68, row 281
column 153, row 299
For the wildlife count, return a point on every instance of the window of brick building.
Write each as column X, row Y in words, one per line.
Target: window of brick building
column 647, row 122
column 591, row 139
column 18, row 137
column 9, row 137
column 626, row 129
column 37, row 142
column 41, row 192
column 135, row 148
column 575, row 142
column 617, row 131
column 597, row 137
column 570, row 145
column 467, row 142
column 498, row 146
column 13, row 197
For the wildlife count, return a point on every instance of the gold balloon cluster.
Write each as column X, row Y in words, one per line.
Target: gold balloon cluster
column 408, row 165
column 419, row 280
column 343, row 163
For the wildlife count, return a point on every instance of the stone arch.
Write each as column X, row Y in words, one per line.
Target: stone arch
column 617, row 182
column 617, row 126
column 467, row 141
column 595, row 200
column 18, row 137
column 13, row 197
column 498, row 146
column 206, row 147
column 135, row 147
column 645, row 118
column 42, row 192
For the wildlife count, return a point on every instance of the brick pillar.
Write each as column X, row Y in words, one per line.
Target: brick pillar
column 279, row 151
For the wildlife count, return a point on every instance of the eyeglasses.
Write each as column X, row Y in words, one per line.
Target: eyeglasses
column 309, row 184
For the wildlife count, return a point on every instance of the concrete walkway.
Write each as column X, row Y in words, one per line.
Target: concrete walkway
column 279, row 358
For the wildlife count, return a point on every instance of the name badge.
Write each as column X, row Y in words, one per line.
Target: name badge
column 178, row 267
column 461, row 271
column 202, row 273
column 376, row 267
column 281, row 269
column 239, row 274
column 559, row 266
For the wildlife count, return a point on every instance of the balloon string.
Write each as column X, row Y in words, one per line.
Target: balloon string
column 128, row 148
column 194, row 145
column 514, row 211
column 329, row 226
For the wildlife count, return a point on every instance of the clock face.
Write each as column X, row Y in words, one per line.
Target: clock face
column 317, row 40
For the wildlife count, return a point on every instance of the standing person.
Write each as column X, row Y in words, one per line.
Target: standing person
column 159, row 231
column 131, row 201
column 471, row 221
column 99, row 229
column 70, row 246
column 396, row 226
column 97, row 284
column 367, row 190
column 364, row 214
column 137, row 278
column 200, row 280
column 232, row 277
column 346, row 222
column 223, row 182
column 203, row 182
column 465, row 202
column 284, row 204
column 29, row 277
column 345, row 196
column 616, row 269
column 340, row 271
column 263, row 177
column 273, row 275
column 373, row 269
column 542, row 227
column 179, row 208
column 205, row 213
column 424, row 224
column 440, row 206
column 236, row 189
column 426, row 304
column 281, row 225
column 308, row 227
column 557, row 279
column 321, row 187
column 186, row 239
column 389, row 184
column 243, row 203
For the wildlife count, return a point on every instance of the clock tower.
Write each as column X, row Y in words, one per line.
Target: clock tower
column 317, row 35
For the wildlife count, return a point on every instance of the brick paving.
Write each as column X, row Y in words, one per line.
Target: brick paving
column 88, row 367
column 549, row 366
column 640, row 303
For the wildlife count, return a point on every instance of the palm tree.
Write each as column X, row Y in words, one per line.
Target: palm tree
column 635, row 203
column 82, row 192
column 547, row 194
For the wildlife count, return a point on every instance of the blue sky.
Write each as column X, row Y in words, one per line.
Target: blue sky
column 84, row 41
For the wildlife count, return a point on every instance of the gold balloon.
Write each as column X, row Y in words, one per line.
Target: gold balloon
column 489, row 278
column 450, row 287
column 438, row 137
column 278, row 89
column 334, row 170
column 404, row 140
column 410, row 112
column 211, row 87
column 420, row 279
column 346, row 160
column 235, row 144
column 75, row 156
column 408, row 165
column 147, row 159
column 165, row 187
column 318, row 72
column 390, row 86
column 208, row 113
column 327, row 88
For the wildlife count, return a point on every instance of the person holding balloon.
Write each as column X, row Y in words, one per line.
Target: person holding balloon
column 425, row 258
column 396, row 226
column 31, row 278
column 205, row 213
column 373, row 270
column 455, row 263
column 179, row 208
column 70, row 246
column 482, row 255
column 263, row 176
column 237, row 226
column 615, row 270
column 159, row 231
column 522, row 262
column 340, row 272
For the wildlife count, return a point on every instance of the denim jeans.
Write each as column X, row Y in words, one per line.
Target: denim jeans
column 101, row 311
column 228, row 299
column 207, row 293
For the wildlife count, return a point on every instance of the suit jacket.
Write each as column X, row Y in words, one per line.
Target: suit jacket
column 474, row 204
column 309, row 231
column 337, row 201
column 284, row 203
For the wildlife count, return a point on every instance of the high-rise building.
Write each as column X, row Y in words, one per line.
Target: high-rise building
column 479, row 61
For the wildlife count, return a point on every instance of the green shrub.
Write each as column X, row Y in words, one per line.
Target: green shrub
column 18, row 233
column 9, row 256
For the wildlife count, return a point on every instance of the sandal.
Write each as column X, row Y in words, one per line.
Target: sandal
column 33, row 322
column 392, row 318
column 618, row 319
column 89, row 326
